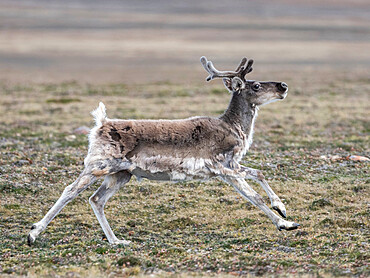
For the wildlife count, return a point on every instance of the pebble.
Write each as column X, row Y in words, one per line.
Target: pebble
column 350, row 157
column 82, row 130
column 22, row 162
column 70, row 138
column 358, row 158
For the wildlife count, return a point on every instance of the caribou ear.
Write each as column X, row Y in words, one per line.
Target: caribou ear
column 227, row 83
column 237, row 84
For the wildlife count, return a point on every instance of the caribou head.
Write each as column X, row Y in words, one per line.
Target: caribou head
column 254, row 92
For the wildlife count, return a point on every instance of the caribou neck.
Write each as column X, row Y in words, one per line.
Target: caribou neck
column 241, row 113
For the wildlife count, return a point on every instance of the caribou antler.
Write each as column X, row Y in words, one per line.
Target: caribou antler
column 240, row 71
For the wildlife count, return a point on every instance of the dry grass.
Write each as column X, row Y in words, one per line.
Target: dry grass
column 195, row 228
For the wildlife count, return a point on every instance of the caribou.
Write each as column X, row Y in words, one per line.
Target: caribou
column 197, row 148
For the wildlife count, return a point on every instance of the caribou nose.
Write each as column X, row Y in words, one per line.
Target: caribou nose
column 282, row 86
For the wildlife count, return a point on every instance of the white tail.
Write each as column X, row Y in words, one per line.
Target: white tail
column 99, row 114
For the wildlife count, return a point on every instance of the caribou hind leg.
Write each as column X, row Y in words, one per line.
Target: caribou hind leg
column 88, row 176
column 85, row 179
column 110, row 186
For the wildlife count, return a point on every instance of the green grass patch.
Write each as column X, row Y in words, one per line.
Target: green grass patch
column 63, row 100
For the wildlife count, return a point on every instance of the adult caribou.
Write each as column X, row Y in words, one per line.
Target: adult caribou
column 177, row 150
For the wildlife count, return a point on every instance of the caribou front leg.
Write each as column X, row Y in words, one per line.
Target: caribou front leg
column 239, row 171
column 252, row 196
column 257, row 176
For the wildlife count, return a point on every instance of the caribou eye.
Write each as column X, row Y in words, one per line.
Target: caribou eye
column 256, row 86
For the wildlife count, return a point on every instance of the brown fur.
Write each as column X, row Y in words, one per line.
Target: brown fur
column 200, row 137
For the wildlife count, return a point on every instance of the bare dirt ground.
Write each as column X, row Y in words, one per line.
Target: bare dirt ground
column 141, row 58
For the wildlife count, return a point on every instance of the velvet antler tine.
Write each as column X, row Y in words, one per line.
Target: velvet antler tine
column 242, row 63
column 240, row 72
column 250, row 63
column 247, row 69
column 204, row 62
column 212, row 70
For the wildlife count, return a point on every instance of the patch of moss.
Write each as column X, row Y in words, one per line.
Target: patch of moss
column 320, row 203
column 128, row 261
column 178, row 223
column 63, row 100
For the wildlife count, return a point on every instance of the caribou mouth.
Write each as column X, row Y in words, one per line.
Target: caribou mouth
column 282, row 96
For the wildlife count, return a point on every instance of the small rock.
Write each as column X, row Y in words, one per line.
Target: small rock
column 226, row 201
column 9, row 270
column 4, row 142
column 286, row 249
column 82, row 130
column 22, row 162
column 358, row 158
column 332, row 157
column 301, row 233
column 70, row 138
column 336, row 158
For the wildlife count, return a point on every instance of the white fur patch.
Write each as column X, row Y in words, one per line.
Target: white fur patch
column 250, row 135
column 247, row 139
column 270, row 101
column 100, row 115
column 175, row 168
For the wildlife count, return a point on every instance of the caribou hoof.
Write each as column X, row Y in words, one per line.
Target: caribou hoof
column 35, row 230
column 280, row 211
column 30, row 239
column 291, row 227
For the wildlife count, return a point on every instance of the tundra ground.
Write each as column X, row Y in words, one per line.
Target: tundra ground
column 303, row 145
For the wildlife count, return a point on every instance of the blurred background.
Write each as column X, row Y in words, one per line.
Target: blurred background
column 151, row 41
